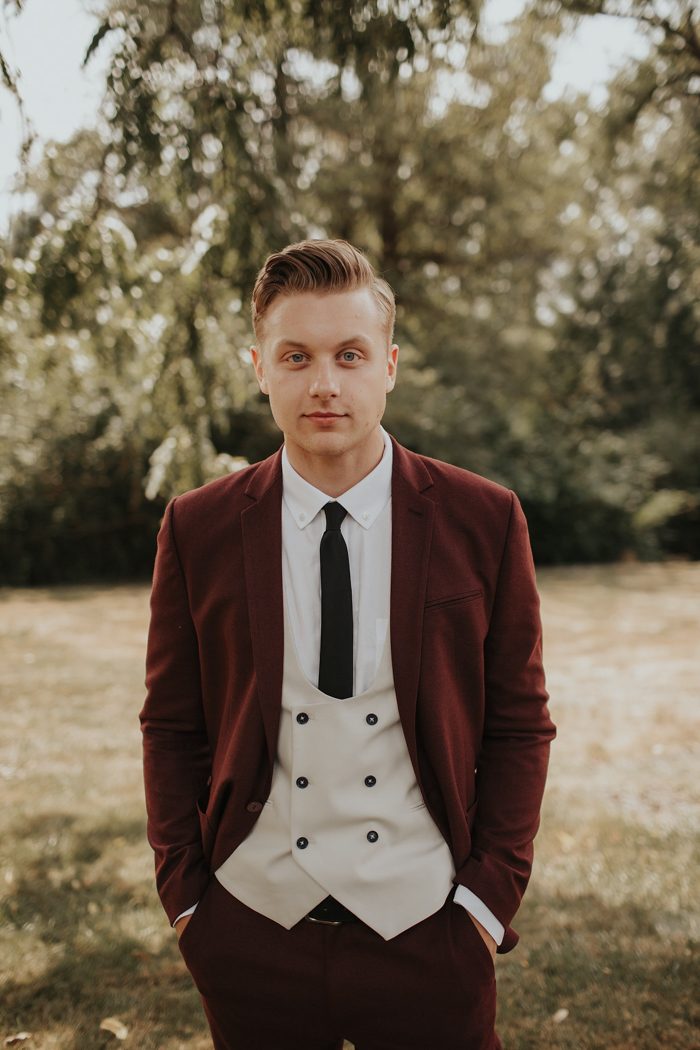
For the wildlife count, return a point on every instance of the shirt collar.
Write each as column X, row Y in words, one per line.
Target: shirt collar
column 364, row 501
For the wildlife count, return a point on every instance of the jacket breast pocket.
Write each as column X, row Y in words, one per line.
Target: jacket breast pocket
column 454, row 599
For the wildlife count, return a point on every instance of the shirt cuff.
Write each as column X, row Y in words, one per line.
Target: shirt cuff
column 478, row 909
column 190, row 910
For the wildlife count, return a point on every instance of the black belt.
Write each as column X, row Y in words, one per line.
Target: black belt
column 331, row 912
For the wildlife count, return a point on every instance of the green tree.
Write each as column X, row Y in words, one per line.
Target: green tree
column 543, row 255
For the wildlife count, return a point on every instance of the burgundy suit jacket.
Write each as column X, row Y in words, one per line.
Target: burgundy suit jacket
column 466, row 652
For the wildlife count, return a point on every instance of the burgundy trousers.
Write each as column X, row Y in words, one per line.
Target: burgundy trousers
column 267, row 988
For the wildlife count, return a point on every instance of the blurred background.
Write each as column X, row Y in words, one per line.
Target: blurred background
column 540, row 231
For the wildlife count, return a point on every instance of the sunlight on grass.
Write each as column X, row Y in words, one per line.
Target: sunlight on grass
column 610, row 923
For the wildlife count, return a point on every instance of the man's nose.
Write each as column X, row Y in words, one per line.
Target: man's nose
column 323, row 381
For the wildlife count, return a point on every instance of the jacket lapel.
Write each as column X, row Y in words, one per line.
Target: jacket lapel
column 411, row 533
column 261, row 524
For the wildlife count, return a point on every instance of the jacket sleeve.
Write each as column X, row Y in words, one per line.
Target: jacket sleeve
column 176, row 756
column 514, row 755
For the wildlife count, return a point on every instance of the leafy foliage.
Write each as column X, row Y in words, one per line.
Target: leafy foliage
column 544, row 255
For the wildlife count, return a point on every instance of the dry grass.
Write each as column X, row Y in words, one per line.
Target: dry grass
column 610, row 924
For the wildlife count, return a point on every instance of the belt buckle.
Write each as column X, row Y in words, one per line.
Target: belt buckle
column 324, row 922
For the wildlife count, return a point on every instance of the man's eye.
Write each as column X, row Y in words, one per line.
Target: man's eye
column 353, row 352
column 295, row 355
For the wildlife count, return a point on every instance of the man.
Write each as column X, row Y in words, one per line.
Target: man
column 346, row 732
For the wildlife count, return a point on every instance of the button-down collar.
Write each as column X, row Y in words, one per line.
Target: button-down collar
column 363, row 501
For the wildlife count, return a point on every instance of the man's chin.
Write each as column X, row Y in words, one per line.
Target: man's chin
column 333, row 444
column 327, row 442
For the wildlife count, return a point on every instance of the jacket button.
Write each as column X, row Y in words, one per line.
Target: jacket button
column 371, row 720
column 302, row 843
column 302, row 782
column 372, row 836
column 370, row 781
column 254, row 807
column 302, row 718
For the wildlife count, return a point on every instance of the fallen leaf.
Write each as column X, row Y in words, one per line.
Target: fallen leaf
column 115, row 1026
column 20, row 1037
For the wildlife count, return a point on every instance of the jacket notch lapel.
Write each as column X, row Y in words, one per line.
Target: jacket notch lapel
column 261, row 525
column 411, row 534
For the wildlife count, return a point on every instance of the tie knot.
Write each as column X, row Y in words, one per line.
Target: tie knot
column 334, row 515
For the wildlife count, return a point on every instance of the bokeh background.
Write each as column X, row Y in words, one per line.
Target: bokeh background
column 544, row 255
column 544, row 248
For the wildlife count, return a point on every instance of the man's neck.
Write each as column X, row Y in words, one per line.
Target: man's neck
column 334, row 475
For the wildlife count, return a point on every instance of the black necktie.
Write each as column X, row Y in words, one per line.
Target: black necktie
column 335, row 667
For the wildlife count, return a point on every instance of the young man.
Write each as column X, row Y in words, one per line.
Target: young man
column 346, row 733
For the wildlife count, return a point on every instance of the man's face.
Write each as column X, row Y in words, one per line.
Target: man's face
column 326, row 370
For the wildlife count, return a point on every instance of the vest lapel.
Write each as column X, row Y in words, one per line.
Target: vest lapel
column 261, row 525
column 412, row 527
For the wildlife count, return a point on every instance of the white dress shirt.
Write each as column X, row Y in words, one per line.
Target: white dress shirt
column 366, row 529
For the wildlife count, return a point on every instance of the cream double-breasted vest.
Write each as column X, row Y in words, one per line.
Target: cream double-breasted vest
column 345, row 814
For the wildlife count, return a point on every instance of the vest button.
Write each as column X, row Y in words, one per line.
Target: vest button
column 302, row 718
column 372, row 836
column 302, row 782
column 302, row 843
column 371, row 720
column 254, row 807
column 370, row 781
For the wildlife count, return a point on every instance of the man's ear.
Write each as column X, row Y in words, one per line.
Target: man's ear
column 257, row 358
column 392, row 363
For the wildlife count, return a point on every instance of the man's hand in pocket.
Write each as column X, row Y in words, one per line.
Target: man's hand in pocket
column 487, row 938
column 181, row 924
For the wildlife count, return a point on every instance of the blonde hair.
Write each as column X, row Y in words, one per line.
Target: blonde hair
column 318, row 265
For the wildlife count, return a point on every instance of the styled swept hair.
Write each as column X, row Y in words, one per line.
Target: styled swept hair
column 318, row 266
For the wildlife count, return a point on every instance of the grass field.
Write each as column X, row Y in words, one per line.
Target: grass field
column 608, row 956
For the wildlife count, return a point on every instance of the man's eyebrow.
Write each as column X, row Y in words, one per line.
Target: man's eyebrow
column 343, row 342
